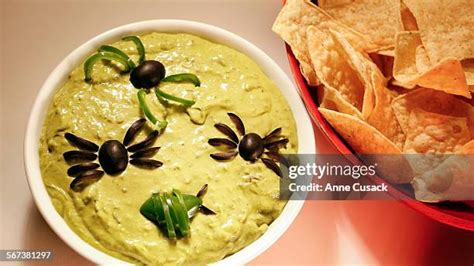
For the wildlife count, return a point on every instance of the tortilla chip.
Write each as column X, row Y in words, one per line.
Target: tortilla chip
column 324, row 3
column 377, row 19
column 430, row 136
column 291, row 24
column 444, row 23
column 362, row 137
column 331, row 99
column 404, row 68
column 435, row 133
column 332, row 67
column 361, row 64
column 468, row 148
column 423, row 63
column 381, row 116
column 407, row 19
column 365, row 139
column 468, row 66
column 387, row 52
column 434, row 102
column 451, row 180
column 447, row 75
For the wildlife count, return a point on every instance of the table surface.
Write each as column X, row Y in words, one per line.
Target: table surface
column 36, row 35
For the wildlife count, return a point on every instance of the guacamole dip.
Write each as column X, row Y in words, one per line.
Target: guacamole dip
column 243, row 194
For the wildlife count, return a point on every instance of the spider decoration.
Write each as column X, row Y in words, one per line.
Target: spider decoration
column 146, row 75
column 173, row 211
column 251, row 146
column 113, row 156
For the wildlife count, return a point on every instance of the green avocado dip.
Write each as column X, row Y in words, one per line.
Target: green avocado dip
column 243, row 194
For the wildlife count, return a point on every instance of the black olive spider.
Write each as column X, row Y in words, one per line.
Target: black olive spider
column 146, row 75
column 251, row 146
column 113, row 156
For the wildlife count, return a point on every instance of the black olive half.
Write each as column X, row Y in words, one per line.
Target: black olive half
column 113, row 157
column 251, row 147
column 148, row 74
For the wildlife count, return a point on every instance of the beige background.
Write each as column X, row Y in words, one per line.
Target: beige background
column 36, row 35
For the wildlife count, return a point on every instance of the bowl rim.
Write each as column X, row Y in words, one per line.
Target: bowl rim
column 57, row 77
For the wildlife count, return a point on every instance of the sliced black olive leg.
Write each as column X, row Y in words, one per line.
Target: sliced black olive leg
column 226, row 130
column 79, row 156
column 202, row 191
column 273, row 155
column 237, row 122
column 272, row 166
column 150, row 139
column 206, row 211
column 133, row 130
column 79, row 169
column 146, row 153
column 274, row 145
column 85, row 179
column 272, row 135
column 223, row 156
column 146, row 163
column 82, row 144
column 227, row 143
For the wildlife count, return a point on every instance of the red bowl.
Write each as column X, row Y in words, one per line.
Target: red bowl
column 457, row 215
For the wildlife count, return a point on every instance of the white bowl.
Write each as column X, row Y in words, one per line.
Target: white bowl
column 218, row 35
